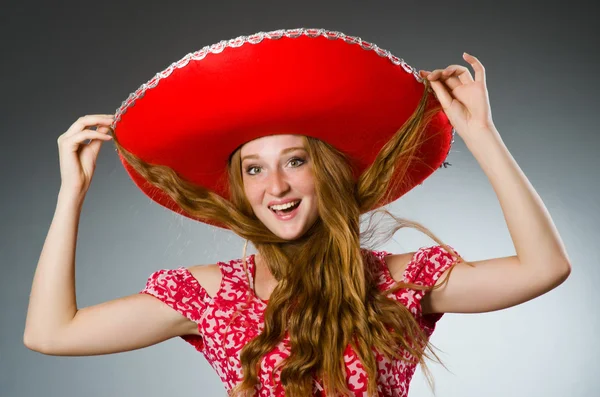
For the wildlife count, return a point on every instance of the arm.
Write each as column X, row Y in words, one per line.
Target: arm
column 52, row 302
column 55, row 326
column 116, row 326
column 541, row 263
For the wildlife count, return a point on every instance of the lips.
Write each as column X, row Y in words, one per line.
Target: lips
column 286, row 216
column 297, row 201
column 280, row 202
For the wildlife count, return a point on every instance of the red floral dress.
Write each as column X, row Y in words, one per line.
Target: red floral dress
column 221, row 346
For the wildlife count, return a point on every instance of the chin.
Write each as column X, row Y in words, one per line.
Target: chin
column 291, row 237
column 287, row 233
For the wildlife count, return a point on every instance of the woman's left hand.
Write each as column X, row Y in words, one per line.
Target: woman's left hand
column 464, row 100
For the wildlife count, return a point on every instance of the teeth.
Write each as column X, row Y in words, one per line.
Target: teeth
column 284, row 206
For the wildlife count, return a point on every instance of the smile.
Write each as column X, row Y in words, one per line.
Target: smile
column 286, row 211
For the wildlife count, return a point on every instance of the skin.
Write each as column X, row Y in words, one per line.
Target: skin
column 55, row 325
column 274, row 175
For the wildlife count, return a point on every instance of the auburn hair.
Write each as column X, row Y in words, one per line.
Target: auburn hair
column 326, row 296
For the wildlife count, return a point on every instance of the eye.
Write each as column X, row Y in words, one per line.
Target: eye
column 294, row 160
column 248, row 169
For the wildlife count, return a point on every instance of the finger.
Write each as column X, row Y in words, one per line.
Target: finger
column 92, row 148
column 104, row 129
column 94, row 118
column 81, row 136
column 445, row 76
column 461, row 72
column 434, row 75
column 477, row 67
column 442, row 94
column 102, row 137
column 88, row 121
column 452, row 82
column 74, row 141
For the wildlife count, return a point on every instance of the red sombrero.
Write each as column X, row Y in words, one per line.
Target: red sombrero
column 324, row 84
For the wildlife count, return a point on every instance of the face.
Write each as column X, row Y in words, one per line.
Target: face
column 277, row 169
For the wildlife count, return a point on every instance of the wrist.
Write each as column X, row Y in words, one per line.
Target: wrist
column 483, row 138
column 70, row 197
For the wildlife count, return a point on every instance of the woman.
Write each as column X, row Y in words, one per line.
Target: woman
column 287, row 138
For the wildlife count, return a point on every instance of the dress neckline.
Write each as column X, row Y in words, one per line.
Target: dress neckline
column 383, row 268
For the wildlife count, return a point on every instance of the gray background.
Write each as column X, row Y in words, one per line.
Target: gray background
column 60, row 62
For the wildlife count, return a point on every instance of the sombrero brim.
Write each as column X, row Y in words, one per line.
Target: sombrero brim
column 337, row 88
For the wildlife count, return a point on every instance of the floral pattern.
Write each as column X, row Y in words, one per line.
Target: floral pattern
column 223, row 335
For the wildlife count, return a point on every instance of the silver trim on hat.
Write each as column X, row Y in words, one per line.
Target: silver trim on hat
column 255, row 39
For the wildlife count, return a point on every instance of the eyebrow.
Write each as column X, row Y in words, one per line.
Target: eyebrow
column 284, row 151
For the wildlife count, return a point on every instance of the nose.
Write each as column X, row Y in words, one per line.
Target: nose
column 276, row 183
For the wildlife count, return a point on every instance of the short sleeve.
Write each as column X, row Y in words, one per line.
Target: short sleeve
column 180, row 290
column 427, row 266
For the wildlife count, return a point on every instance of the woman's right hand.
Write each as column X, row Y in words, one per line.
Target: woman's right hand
column 78, row 159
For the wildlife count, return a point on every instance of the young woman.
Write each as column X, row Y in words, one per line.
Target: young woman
column 287, row 138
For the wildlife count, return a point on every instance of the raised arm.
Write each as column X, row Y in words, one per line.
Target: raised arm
column 54, row 325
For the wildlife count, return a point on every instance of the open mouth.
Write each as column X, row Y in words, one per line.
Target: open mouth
column 288, row 209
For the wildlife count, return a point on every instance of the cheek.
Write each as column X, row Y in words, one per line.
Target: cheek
column 306, row 183
column 252, row 193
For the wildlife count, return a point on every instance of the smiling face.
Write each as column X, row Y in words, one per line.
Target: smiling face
column 277, row 169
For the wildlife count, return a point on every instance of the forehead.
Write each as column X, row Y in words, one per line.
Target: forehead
column 272, row 144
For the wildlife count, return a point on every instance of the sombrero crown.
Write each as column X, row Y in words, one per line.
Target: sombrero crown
column 343, row 90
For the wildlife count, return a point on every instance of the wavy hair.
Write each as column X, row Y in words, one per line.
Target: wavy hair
column 326, row 296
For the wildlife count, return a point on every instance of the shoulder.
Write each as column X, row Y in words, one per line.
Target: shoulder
column 208, row 276
column 418, row 265
column 397, row 264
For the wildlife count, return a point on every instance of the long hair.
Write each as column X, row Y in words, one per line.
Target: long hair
column 326, row 297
